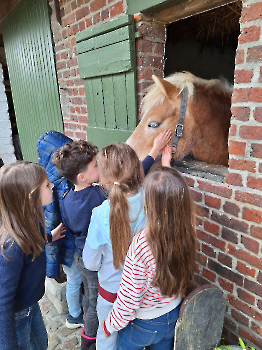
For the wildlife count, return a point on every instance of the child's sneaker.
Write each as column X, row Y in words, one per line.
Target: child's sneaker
column 74, row 322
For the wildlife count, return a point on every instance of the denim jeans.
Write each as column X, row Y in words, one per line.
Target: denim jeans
column 90, row 281
column 30, row 329
column 157, row 332
column 73, row 289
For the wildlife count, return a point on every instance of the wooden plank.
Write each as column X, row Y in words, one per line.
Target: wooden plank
column 131, row 100
column 106, row 39
column 109, row 101
column 98, row 101
column 106, row 27
column 106, row 60
column 149, row 6
column 102, row 137
column 119, row 81
column 89, row 102
column 6, row 7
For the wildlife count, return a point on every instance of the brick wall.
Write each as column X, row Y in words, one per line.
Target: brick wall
column 229, row 215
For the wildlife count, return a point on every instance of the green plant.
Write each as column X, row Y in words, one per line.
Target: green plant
column 241, row 343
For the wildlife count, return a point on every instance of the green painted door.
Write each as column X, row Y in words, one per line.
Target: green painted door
column 30, row 60
column 106, row 59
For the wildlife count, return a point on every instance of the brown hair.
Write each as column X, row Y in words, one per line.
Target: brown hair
column 170, row 230
column 121, row 172
column 20, row 206
column 73, row 158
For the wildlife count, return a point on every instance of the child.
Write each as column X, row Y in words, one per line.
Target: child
column 158, row 268
column 24, row 189
column 77, row 162
column 114, row 222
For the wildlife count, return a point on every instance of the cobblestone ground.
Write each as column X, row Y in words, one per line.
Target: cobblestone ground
column 60, row 337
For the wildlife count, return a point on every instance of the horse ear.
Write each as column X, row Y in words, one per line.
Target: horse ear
column 166, row 87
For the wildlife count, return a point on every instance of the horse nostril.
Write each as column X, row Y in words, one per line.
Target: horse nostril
column 153, row 124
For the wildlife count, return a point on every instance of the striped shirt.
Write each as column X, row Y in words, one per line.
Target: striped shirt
column 137, row 298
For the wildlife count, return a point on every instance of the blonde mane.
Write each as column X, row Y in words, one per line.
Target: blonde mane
column 154, row 95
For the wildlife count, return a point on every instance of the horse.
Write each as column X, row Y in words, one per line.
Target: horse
column 197, row 111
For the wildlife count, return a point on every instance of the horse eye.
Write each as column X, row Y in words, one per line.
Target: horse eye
column 153, row 124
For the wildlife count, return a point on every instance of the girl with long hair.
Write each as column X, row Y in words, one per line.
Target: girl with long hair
column 114, row 223
column 24, row 189
column 158, row 268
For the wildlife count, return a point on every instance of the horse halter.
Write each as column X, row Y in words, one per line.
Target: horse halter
column 179, row 127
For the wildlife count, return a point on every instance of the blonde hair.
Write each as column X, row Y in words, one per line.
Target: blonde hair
column 121, row 172
column 170, row 230
column 20, row 206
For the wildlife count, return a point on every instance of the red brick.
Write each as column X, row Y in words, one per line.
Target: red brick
column 208, row 251
column 258, row 114
column 232, row 130
column 239, row 56
column 116, row 9
column 229, row 235
column 83, row 110
column 229, row 222
column 82, row 25
column 104, row 14
column 247, row 335
column 246, row 297
column 259, row 304
column 253, row 287
column 241, row 113
column 243, row 76
column 198, row 221
column 197, row 196
column 73, row 5
column 237, row 148
column 240, row 95
column 77, row 100
column 225, row 272
column 221, row 191
column 234, row 179
column 255, row 182
column 80, row 135
column 256, row 232
column 96, row 18
column 210, row 227
column 97, row 5
column 241, row 164
column 249, row 34
column 256, row 150
column 225, row 259
column 201, row 211
column 70, row 19
column 82, row 12
column 202, row 259
column 252, row 215
column 88, row 22
column 200, row 280
column 250, row 244
column 69, row 133
column 256, row 328
column 207, row 238
column 212, row 201
column 250, row 198
column 245, row 256
column 251, row 12
column 82, row 119
column 231, row 208
column 190, row 181
column 228, row 286
column 260, row 168
column 229, row 323
column 80, row 3
column 240, row 318
column 259, row 277
column 242, row 268
column 243, row 307
column 254, row 54
column 211, row 276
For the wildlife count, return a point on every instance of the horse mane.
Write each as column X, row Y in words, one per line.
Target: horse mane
column 154, row 95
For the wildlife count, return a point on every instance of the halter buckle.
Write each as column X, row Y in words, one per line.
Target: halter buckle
column 179, row 130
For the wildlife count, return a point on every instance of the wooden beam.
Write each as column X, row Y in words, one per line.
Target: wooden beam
column 187, row 9
column 7, row 6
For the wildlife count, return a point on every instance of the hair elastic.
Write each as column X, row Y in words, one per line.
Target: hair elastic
column 117, row 183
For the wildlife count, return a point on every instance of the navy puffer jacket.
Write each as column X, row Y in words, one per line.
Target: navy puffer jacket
column 61, row 251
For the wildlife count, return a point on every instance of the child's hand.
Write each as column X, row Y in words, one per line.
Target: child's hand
column 159, row 143
column 57, row 232
column 106, row 333
column 166, row 156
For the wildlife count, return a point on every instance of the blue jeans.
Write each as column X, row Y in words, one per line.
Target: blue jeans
column 30, row 329
column 73, row 289
column 157, row 332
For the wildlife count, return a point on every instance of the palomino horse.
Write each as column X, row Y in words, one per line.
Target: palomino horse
column 203, row 130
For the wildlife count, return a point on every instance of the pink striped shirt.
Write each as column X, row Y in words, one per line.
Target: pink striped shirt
column 137, row 298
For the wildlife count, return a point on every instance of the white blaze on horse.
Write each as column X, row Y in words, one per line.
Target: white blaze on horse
column 197, row 111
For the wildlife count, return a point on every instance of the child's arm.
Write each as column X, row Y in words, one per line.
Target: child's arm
column 57, row 232
column 166, row 156
column 159, row 143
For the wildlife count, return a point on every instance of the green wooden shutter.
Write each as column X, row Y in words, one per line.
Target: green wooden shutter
column 31, row 67
column 106, row 60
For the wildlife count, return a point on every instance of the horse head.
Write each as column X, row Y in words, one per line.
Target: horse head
column 206, row 119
